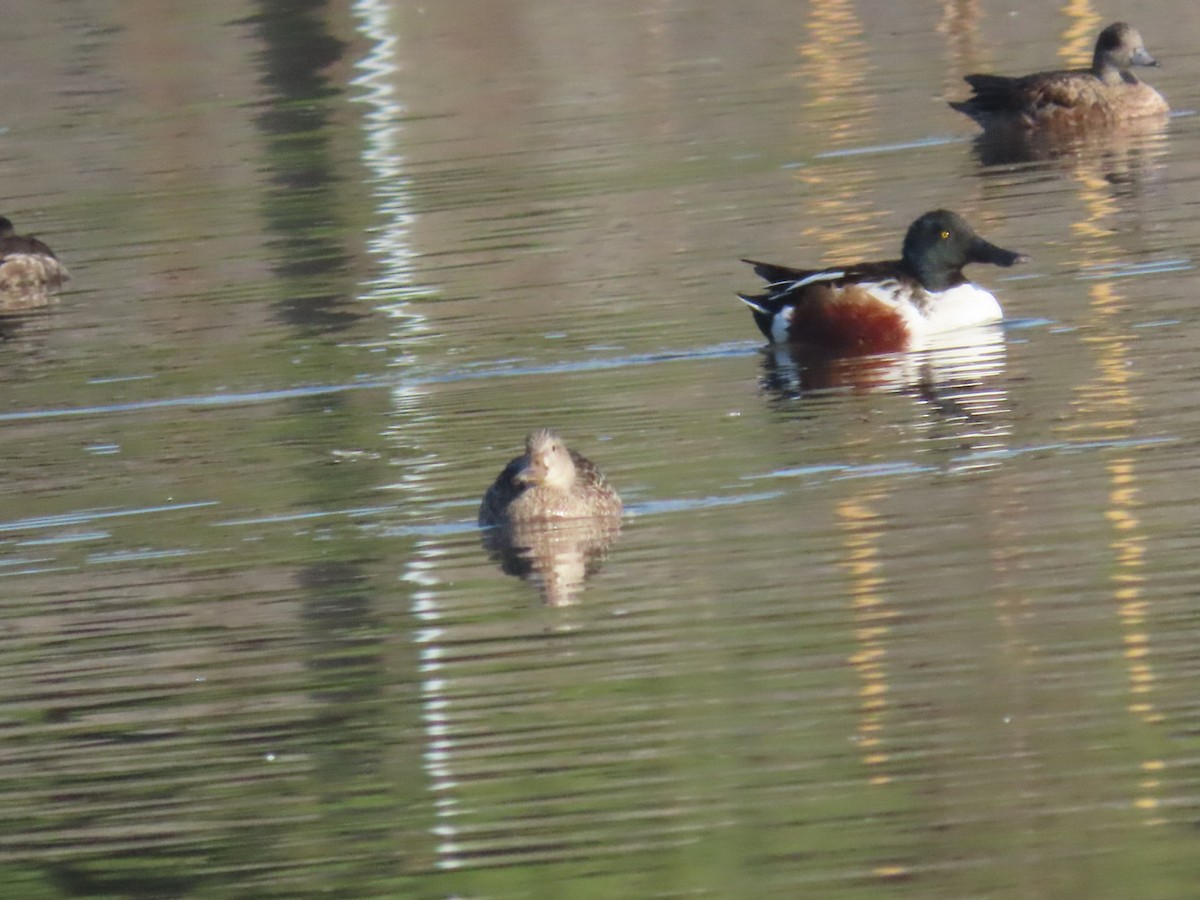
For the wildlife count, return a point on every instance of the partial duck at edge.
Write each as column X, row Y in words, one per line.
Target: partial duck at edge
column 29, row 270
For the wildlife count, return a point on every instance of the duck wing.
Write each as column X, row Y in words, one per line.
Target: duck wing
column 1000, row 94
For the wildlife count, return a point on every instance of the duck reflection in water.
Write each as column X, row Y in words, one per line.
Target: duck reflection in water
column 29, row 271
column 964, row 357
column 550, row 517
column 1122, row 155
column 960, row 385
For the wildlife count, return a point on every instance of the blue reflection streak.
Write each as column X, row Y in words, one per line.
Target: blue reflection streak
column 201, row 401
column 93, row 515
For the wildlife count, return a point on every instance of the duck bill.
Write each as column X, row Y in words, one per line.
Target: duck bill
column 1142, row 58
column 533, row 472
column 986, row 252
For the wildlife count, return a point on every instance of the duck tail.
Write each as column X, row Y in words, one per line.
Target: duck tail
column 758, row 303
column 992, row 93
column 773, row 273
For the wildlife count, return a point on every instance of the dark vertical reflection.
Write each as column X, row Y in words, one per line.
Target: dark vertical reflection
column 317, row 218
column 302, row 209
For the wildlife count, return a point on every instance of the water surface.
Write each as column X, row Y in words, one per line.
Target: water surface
column 915, row 626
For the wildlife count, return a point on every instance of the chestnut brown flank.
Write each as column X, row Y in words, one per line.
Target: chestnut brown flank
column 849, row 320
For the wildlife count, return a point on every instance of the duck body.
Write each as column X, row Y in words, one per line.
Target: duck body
column 883, row 307
column 1106, row 94
column 29, row 270
column 548, row 483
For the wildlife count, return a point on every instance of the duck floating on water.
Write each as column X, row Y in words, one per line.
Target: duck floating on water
column 883, row 307
column 549, row 482
column 29, row 270
column 1106, row 94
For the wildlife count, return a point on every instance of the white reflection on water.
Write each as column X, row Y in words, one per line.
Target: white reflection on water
column 1132, row 270
column 890, row 148
column 383, row 157
column 392, row 292
column 93, row 515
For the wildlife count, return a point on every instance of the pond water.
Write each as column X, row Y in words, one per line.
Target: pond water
column 912, row 626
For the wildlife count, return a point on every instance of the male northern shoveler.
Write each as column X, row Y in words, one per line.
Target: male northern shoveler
column 881, row 307
column 550, row 481
column 1107, row 93
column 28, row 270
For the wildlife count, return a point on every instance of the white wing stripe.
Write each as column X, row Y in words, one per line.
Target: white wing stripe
column 827, row 275
column 753, row 303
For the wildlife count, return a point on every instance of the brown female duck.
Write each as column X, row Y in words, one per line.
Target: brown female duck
column 29, row 270
column 550, row 481
column 1106, row 94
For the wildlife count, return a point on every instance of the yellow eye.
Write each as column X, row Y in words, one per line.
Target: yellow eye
column 945, row 234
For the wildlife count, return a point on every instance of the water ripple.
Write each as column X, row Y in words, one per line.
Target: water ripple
column 225, row 399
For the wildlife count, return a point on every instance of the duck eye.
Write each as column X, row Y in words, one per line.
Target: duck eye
column 945, row 235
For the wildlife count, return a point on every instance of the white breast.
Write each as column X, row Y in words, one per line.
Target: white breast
column 961, row 307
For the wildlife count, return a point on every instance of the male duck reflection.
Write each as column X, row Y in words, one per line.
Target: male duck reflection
column 883, row 307
column 550, row 481
column 28, row 270
column 1107, row 93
